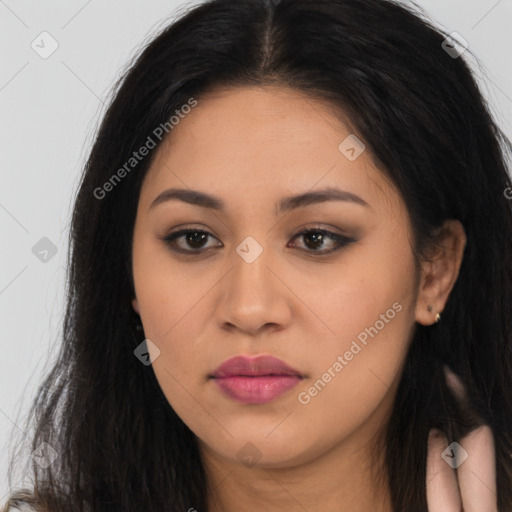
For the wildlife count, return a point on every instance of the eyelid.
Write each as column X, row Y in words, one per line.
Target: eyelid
column 169, row 238
column 340, row 239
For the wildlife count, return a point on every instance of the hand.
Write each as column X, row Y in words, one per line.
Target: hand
column 456, row 483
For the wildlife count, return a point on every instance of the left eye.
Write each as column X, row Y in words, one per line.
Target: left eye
column 317, row 237
column 314, row 239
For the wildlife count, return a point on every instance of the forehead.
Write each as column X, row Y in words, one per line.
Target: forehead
column 259, row 143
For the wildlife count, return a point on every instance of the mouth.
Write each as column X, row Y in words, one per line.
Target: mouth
column 256, row 380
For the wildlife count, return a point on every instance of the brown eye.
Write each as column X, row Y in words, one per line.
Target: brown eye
column 315, row 239
column 194, row 239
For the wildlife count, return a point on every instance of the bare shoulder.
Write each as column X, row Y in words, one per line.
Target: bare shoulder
column 21, row 501
column 20, row 508
column 26, row 500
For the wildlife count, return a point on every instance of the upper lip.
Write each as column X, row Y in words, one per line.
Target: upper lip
column 254, row 366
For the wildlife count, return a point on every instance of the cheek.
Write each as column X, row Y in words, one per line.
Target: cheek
column 172, row 309
column 369, row 308
column 356, row 375
column 166, row 294
column 175, row 320
column 361, row 291
column 176, row 324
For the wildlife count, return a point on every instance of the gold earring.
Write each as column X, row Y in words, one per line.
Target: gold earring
column 438, row 316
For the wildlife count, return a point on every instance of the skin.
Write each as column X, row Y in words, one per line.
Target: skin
column 252, row 147
column 470, row 487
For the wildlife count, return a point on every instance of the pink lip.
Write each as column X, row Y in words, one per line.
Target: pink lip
column 256, row 380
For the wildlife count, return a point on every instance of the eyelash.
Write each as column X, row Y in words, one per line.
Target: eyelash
column 342, row 241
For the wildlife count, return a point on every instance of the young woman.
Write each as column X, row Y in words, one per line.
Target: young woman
column 290, row 284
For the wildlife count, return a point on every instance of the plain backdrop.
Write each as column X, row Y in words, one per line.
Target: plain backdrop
column 50, row 108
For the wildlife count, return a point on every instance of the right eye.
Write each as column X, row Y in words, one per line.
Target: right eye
column 195, row 238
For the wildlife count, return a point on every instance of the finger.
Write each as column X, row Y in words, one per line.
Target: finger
column 455, row 384
column 459, row 391
column 477, row 474
column 442, row 489
column 476, row 462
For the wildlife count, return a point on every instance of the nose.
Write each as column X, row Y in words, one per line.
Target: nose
column 255, row 297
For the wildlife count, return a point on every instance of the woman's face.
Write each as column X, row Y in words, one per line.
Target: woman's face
column 248, row 283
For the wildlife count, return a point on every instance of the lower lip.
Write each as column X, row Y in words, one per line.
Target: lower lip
column 256, row 390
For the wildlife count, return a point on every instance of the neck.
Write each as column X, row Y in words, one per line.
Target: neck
column 342, row 479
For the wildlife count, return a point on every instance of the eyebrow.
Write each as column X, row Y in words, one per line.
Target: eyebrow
column 197, row 198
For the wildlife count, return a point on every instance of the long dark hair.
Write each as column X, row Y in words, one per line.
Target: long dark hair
column 120, row 445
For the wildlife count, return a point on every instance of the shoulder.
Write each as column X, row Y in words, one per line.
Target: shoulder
column 21, row 501
column 26, row 500
column 19, row 508
column 22, row 507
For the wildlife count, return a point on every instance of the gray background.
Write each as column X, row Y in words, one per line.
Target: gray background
column 49, row 111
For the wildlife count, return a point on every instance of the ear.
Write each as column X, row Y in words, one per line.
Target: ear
column 135, row 305
column 440, row 271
